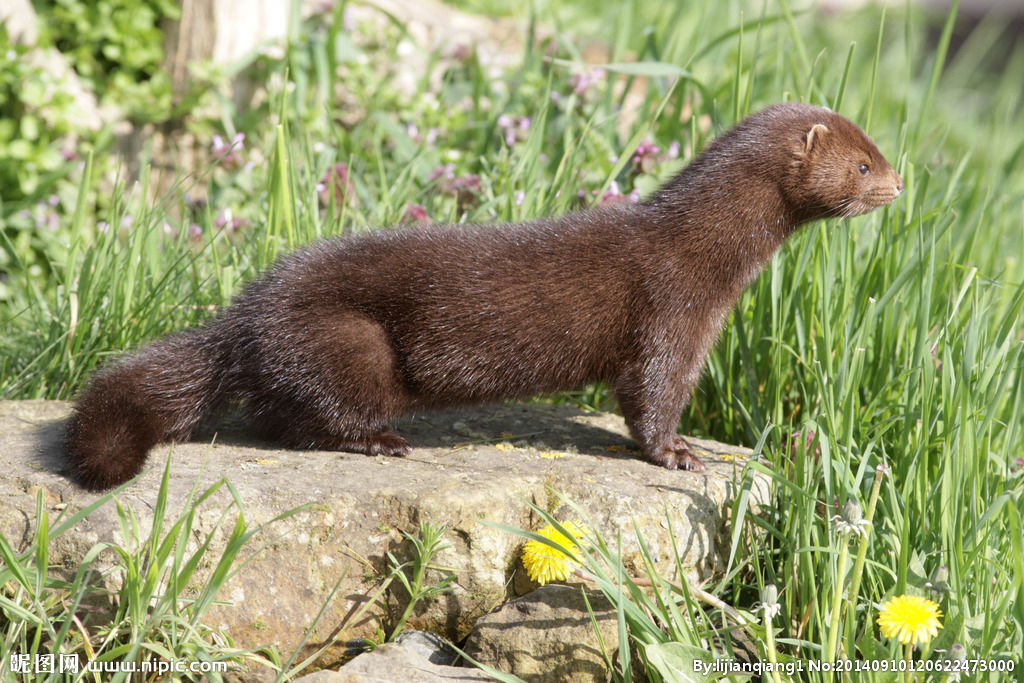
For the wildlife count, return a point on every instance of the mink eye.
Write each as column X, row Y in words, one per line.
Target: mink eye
column 864, row 169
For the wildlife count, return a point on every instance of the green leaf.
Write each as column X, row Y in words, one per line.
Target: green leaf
column 679, row 662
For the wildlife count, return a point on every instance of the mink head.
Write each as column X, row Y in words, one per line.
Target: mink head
column 835, row 170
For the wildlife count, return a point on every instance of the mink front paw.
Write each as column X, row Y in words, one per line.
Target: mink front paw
column 678, row 456
column 685, row 458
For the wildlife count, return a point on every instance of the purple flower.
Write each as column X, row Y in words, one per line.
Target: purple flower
column 612, row 195
column 223, row 218
column 583, row 82
column 808, row 438
column 462, row 53
column 337, row 184
column 447, row 171
column 45, row 213
column 226, row 154
column 414, row 134
column 513, row 128
column 229, row 222
column 465, row 188
column 414, row 213
column 645, row 157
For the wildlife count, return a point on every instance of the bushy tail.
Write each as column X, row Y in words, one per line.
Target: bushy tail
column 158, row 394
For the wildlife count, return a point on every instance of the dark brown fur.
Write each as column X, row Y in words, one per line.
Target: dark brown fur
column 338, row 339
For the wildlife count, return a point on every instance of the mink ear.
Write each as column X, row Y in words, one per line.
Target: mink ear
column 813, row 136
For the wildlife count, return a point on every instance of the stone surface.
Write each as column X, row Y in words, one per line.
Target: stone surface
column 430, row 646
column 466, row 467
column 547, row 636
column 394, row 662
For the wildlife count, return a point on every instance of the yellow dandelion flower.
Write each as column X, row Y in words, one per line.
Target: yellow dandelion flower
column 545, row 564
column 909, row 619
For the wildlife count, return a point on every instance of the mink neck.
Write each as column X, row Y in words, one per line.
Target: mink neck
column 722, row 219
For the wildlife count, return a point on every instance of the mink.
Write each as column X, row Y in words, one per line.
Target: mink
column 338, row 339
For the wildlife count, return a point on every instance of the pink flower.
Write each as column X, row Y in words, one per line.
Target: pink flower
column 645, row 157
column 228, row 155
column 336, row 184
column 414, row 213
column 229, row 222
column 462, row 53
column 808, row 438
column 466, row 188
column 514, row 128
column 612, row 196
column 583, row 82
column 447, row 171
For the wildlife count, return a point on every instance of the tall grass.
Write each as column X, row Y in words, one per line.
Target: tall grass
column 891, row 339
column 897, row 340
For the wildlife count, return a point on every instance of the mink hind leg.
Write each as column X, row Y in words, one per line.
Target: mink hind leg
column 338, row 387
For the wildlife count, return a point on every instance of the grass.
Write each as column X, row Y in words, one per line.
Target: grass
column 157, row 614
column 894, row 339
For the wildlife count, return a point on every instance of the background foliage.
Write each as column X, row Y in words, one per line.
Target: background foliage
column 892, row 339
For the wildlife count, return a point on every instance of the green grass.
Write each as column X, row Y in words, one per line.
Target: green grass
column 156, row 615
column 895, row 339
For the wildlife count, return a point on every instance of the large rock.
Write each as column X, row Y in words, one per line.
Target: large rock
column 465, row 468
column 548, row 635
column 398, row 663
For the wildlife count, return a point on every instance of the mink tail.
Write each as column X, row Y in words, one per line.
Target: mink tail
column 156, row 395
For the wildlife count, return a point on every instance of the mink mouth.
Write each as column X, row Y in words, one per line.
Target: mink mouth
column 858, row 205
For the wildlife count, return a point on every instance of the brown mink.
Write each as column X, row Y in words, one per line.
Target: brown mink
column 339, row 338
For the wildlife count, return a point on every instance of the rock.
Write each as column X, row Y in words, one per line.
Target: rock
column 547, row 635
column 394, row 662
column 466, row 468
column 431, row 647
